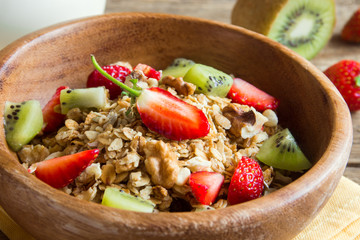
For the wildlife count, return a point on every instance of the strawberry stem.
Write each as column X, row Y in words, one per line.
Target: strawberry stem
column 134, row 92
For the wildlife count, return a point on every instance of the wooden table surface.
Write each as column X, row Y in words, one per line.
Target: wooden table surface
column 220, row 10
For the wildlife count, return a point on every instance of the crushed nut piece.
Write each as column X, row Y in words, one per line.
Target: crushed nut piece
column 238, row 118
column 160, row 192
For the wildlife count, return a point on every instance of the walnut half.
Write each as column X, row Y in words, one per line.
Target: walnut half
column 161, row 163
column 181, row 87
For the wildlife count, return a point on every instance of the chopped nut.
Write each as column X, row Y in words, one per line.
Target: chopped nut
column 183, row 176
column 160, row 192
column 71, row 124
column 181, row 87
column 161, row 163
column 249, row 131
column 272, row 118
column 238, row 118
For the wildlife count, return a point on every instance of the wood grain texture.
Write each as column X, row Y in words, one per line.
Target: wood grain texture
column 62, row 55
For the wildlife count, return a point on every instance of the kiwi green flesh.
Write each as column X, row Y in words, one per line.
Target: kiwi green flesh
column 84, row 98
column 209, row 80
column 119, row 199
column 178, row 68
column 22, row 122
column 304, row 26
column 281, row 151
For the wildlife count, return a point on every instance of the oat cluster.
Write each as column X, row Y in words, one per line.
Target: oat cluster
column 144, row 163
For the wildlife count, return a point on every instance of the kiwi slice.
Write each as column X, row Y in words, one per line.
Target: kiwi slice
column 209, row 80
column 304, row 26
column 281, row 151
column 178, row 68
column 84, row 98
column 22, row 122
column 116, row 198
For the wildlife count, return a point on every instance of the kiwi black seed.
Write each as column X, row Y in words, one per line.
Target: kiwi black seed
column 281, row 151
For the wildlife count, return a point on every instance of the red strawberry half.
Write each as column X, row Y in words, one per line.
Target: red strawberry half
column 173, row 118
column 59, row 172
column 205, row 186
column 53, row 119
column 243, row 92
column 351, row 30
column 247, row 182
column 96, row 79
column 346, row 77
column 148, row 71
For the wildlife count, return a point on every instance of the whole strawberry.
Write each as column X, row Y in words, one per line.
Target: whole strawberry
column 351, row 30
column 345, row 76
column 95, row 79
column 247, row 183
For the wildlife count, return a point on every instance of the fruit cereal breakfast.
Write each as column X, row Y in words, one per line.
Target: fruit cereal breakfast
column 189, row 138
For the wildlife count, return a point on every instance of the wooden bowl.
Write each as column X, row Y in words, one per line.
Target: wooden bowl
column 34, row 66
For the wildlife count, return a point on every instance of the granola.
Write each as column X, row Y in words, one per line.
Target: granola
column 146, row 164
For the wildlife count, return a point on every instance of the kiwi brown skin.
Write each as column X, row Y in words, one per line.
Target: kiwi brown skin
column 260, row 15
column 256, row 15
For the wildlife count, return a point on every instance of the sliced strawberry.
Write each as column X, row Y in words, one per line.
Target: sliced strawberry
column 148, row 71
column 247, row 182
column 243, row 92
column 205, row 186
column 96, row 79
column 53, row 119
column 59, row 172
column 173, row 118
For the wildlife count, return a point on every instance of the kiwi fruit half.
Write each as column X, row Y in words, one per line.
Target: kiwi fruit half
column 116, row 198
column 281, row 151
column 22, row 122
column 304, row 26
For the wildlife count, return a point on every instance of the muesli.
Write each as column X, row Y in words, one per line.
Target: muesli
column 189, row 138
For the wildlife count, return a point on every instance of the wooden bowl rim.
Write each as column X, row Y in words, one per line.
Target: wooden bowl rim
column 339, row 145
